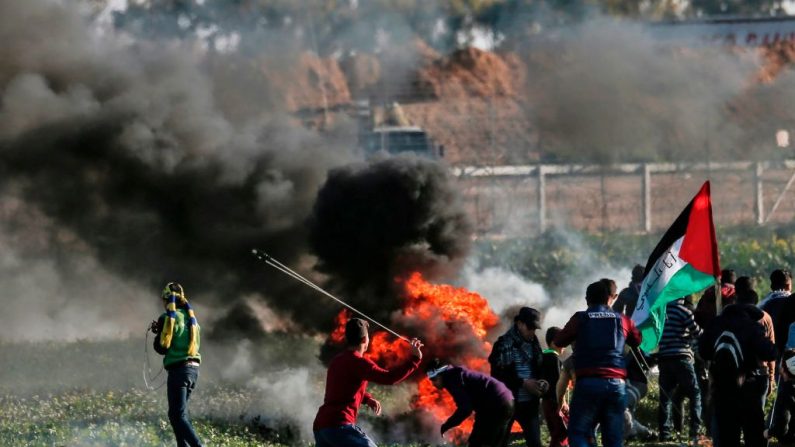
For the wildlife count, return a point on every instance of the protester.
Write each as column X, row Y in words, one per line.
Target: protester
column 489, row 398
column 736, row 344
column 346, row 388
column 550, row 372
column 764, row 377
column 782, row 426
column 707, row 307
column 178, row 340
column 516, row 361
column 628, row 297
column 565, row 383
column 773, row 302
column 637, row 388
column 680, row 395
column 599, row 391
column 676, row 367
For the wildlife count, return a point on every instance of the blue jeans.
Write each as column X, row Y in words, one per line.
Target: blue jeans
column 343, row 436
column 597, row 401
column 678, row 372
column 181, row 382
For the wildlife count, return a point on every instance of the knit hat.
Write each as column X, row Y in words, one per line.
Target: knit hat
column 356, row 330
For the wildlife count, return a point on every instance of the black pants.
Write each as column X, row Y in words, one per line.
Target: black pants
column 491, row 428
column 782, row 426
column 739, row 409
column 181, row 382
column 678, row 373
column 754, row 395
column 528, row 416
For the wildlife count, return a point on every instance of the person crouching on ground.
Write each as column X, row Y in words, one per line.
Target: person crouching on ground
column 346, row 388
column 178, row 340
column 489, row 398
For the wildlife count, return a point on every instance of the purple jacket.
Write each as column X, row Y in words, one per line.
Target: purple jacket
column 473, row 391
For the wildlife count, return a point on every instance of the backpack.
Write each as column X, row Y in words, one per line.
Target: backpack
column 727, row 361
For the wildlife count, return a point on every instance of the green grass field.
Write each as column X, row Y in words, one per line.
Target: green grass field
column 92, row 394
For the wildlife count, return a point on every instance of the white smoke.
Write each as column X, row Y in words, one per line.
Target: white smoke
column 290, row 394
column 504, row 289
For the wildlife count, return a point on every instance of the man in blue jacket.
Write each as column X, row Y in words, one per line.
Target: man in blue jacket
column 599, row 334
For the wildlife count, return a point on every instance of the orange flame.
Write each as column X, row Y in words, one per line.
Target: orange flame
column 453, row 322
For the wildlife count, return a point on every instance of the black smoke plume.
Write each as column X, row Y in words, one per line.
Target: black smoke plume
column 121, row 148
column 375, row 223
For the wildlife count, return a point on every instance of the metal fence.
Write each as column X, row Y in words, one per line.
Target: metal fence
column 635, row 198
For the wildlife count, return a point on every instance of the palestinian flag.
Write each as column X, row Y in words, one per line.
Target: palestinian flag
column 685, row 261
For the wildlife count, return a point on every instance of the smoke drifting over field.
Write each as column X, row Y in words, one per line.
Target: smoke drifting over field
column 612, row 92
column 126, row 163
column 122, row 150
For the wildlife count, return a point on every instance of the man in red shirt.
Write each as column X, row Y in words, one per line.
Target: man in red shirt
column 346, row 388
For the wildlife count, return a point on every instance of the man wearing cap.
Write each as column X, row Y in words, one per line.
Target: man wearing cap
column 489, row 398
column 516, row 361
column 346, row 388
column 599, row 335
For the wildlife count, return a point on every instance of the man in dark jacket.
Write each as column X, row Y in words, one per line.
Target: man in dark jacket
column 516, row 361
column 489, row 398
column 707, row 307
column 774, row 302
column 628, row 297
column 736, row 345
column 600, row 335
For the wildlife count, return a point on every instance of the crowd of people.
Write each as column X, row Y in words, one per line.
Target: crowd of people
column 725, row 355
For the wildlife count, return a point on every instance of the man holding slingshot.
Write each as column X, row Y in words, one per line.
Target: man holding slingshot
column 348, row 374
column 346, row 388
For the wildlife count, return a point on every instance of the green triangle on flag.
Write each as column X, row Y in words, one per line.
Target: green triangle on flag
column 685, row 261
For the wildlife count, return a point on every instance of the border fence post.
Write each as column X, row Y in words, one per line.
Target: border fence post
column 542, row 199
column 759, row 204
column 646, row 197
